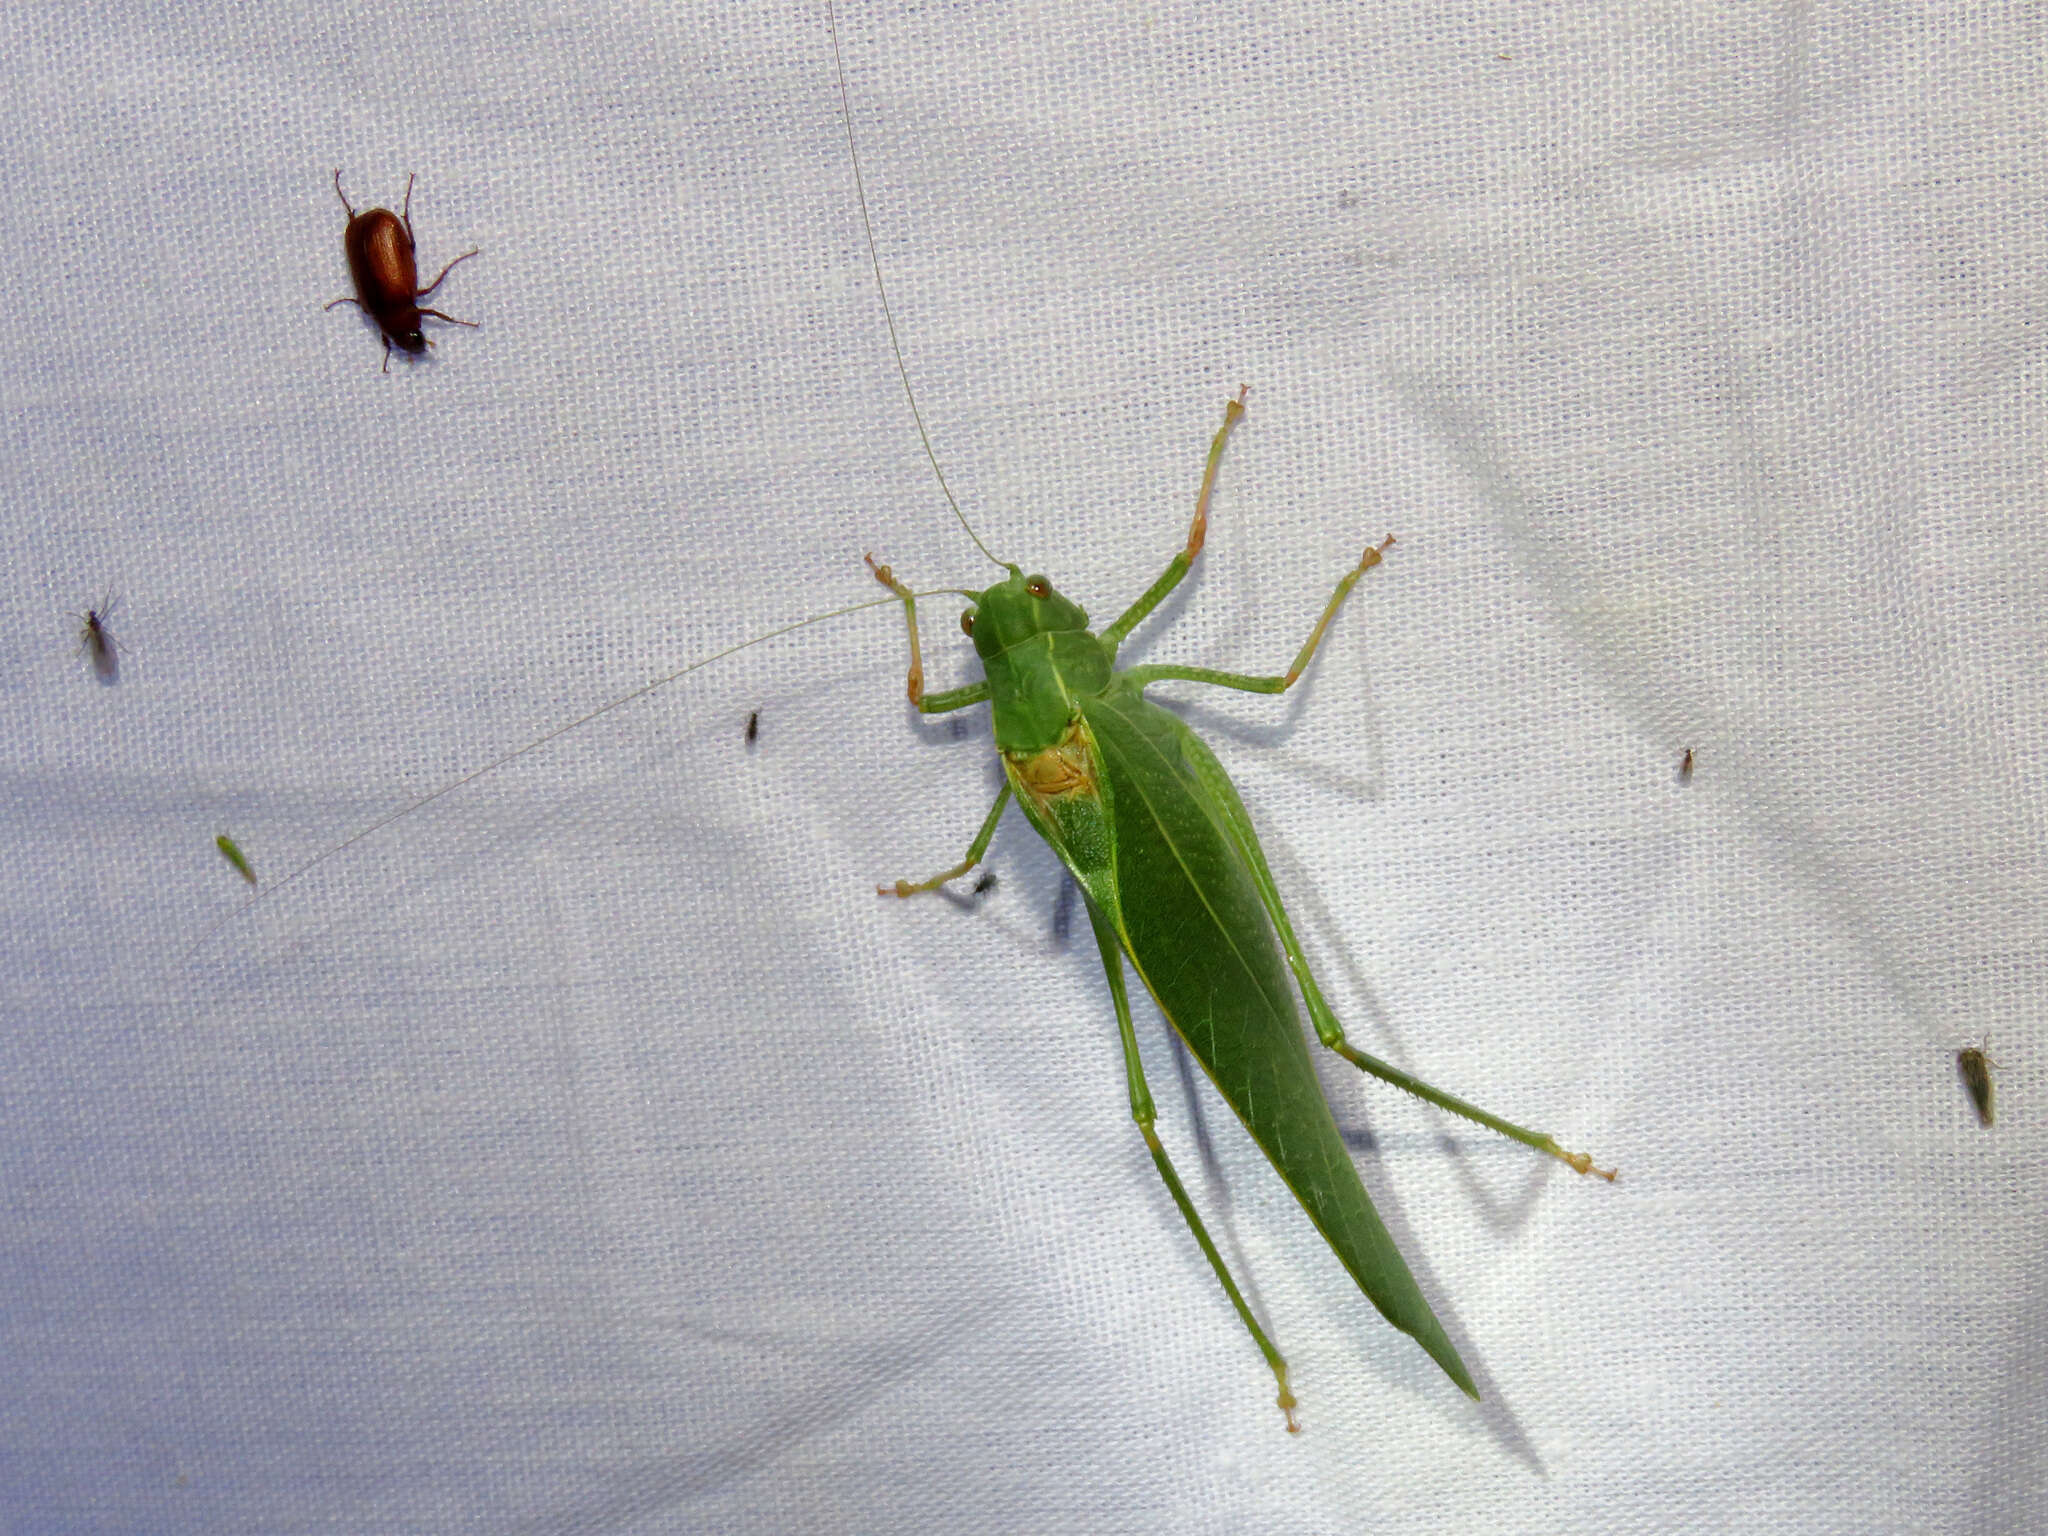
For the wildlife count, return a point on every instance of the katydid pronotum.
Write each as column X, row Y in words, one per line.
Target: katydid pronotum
column 1169, row 867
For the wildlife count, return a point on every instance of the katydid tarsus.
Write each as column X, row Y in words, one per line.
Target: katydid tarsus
column 1169, row 867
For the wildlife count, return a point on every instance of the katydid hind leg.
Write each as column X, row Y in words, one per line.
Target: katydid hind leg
column 1143, row 1113
column 1328, row 1030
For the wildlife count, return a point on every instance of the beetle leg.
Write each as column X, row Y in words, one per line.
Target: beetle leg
column 341, row 194
column 444, row 273
column 472, row 324
column 344, row 299
column 387, row 355
column 406, row 214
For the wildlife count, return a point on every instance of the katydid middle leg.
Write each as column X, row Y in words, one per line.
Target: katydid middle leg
column 974, row 852
column 1246, row 682
column 1143, row 1113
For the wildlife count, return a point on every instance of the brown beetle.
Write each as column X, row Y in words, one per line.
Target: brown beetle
column 380, row 259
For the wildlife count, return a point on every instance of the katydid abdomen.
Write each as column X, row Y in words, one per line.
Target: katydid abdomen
column 1203, row 945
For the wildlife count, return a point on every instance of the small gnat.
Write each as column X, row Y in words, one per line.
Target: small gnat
column 1974, row 1068
column 98, row 642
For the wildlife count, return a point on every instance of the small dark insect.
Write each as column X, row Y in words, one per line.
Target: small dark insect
column 986, row 883
column 1685, row 767
column 380, row 259
column 1974, row 1067
column 98, row 641
column 753, row 727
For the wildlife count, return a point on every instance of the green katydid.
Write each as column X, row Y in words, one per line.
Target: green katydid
column 1152, row 830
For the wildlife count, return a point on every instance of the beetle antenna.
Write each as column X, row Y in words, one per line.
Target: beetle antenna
column 532, row 746
column 860, row 192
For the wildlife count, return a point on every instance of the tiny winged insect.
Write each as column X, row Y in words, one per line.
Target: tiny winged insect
column 232, row 852
column 1973, row 1066
column 753, row 727
column 1685, row 767
column 1169, row 869
column 96, row 640
column 379, row 245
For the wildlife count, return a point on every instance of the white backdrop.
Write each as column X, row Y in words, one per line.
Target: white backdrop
column 594, row 1152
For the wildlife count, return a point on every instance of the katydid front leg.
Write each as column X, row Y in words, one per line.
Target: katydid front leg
column 937, row 704
column 1198, row 532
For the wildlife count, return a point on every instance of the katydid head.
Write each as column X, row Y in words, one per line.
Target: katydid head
column 1016, row 610
column 1037, row 656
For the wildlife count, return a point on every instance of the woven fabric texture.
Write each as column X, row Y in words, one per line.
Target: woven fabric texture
column 594, row 1151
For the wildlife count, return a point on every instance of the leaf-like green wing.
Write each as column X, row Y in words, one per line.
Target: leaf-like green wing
column 1191, row 921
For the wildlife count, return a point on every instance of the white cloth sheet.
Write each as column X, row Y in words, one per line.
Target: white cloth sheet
column 594, row 1151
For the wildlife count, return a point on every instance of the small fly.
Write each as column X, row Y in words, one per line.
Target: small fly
column 1974, row 1067
column 97, row 641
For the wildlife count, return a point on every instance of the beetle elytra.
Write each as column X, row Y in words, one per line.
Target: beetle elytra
column 381, row 261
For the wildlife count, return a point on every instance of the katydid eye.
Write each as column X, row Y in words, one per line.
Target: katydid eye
column 1038, row 586
column 967, row 622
